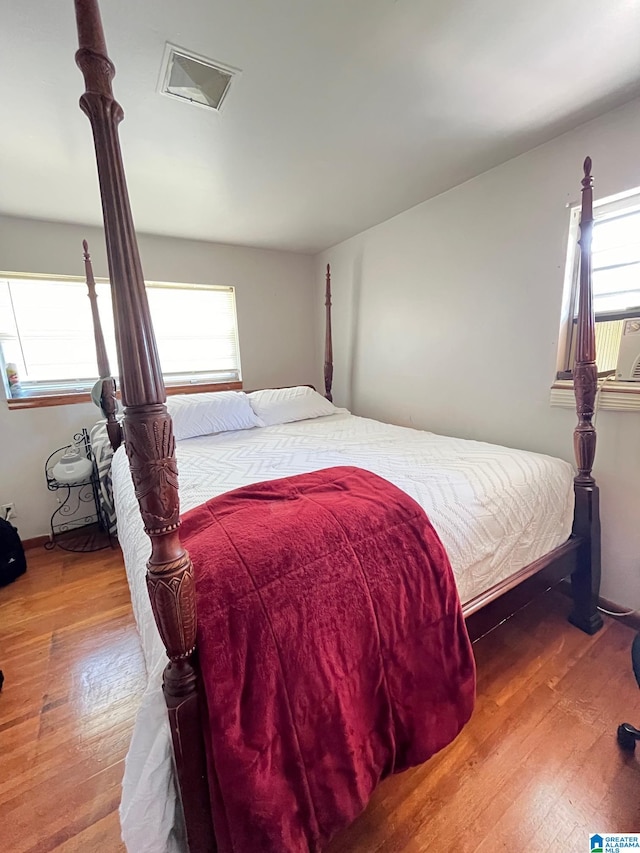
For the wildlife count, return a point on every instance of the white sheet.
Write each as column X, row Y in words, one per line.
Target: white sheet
column 495, row 509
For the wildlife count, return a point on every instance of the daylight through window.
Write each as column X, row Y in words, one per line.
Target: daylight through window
column 47, row 345
column 615, row 276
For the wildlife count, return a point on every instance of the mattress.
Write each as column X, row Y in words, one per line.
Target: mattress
column 496, row 510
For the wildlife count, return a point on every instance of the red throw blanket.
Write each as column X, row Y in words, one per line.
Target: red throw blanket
column 333, row 651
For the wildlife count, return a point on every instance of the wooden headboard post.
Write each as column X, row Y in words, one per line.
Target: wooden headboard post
column 328, row 344
column 108, row 402
column 148, row 432
column 586, row 579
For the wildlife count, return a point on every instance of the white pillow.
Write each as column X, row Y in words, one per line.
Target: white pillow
column 283, row 405
column 209, row 412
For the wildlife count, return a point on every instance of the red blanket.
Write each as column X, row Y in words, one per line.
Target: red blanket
column 333, row 652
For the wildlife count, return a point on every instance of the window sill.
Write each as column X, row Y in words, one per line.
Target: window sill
column 614, row 396
column 70, row 399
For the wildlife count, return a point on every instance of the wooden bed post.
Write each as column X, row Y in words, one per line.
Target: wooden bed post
column 328, row 344
column 148, row 433
column 108, row 402
column 585, row 580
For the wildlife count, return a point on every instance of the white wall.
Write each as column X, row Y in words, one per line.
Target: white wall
column 446, row 317
column 274, row 295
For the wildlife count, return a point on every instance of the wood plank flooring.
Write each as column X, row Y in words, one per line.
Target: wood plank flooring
column 536, row 769
column 73, row 677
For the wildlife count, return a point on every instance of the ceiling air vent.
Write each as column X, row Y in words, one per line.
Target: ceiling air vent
column 194, row 79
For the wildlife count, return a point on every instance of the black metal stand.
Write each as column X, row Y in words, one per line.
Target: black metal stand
column 79, row 523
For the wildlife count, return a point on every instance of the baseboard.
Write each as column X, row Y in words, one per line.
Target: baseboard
column 36, row 542
column 632, row 621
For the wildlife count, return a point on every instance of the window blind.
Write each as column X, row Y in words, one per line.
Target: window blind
column 47, row 333
column 615, row 260
column 203, row 343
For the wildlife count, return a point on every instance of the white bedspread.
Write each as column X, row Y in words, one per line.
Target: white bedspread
column 495, row 509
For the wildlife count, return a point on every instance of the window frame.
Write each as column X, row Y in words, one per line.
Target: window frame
column 69, row 393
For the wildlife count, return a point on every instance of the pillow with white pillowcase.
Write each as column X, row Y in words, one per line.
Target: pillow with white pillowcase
column 284, row 405
column 210, row 412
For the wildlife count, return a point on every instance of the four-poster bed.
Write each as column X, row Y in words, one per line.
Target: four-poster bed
column 150, row 448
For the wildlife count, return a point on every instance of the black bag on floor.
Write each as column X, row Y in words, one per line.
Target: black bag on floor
column 12, row 560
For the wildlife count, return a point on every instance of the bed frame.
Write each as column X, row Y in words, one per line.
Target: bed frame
column 150, row 446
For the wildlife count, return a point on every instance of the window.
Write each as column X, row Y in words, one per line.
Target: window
column 615, row 258
column 46, row 334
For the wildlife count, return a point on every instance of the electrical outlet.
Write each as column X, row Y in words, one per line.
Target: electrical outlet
column 7, row 511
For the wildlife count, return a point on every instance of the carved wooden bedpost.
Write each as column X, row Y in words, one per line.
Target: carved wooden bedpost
column 328, row 344
column 148, row 434
column 586, row 579
column 108, row 402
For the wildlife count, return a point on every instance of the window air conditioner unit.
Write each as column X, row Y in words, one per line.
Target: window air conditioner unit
column 629, row 355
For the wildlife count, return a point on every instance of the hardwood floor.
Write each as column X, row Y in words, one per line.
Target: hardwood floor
column 73, row 677
column 536, row 769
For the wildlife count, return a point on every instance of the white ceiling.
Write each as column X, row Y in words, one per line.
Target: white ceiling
column 346, row 112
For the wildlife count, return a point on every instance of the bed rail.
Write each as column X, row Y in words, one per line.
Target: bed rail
column 148, row 432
